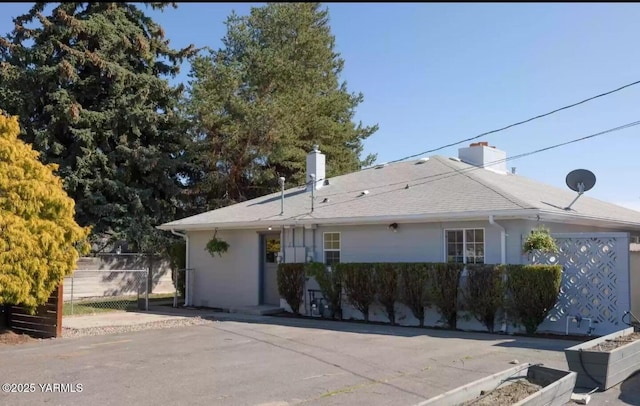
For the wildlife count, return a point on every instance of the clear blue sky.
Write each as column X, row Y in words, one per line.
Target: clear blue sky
column 432, row 74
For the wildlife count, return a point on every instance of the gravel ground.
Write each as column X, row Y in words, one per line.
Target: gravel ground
column 10, row 338
column 94, row 331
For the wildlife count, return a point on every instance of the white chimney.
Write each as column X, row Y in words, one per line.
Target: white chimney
column 485, row 156
column 315, row 166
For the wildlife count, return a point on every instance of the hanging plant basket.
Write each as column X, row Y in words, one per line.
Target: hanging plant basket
column 540, row 239
column 217, row 245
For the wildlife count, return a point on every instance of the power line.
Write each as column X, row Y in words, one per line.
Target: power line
column 500, row 129
column 515, row 124
column 456, row 172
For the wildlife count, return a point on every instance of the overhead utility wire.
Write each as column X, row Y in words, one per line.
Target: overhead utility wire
column 456, row 172
column 497, row 130
column 473, row 168
column 515, row 124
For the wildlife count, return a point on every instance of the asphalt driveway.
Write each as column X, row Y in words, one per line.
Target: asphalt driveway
column 252, row 360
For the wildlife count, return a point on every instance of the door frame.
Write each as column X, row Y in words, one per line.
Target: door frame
column 263, row 235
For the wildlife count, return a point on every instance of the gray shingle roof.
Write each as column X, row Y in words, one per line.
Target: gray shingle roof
column 438, row 188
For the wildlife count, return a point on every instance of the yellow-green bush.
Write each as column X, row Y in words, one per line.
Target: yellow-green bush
column 533, row 291
column 41, row 241
column 291, row 280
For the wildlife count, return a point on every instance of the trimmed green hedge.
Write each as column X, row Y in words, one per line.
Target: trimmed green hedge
column 484, row 293
column 291, row 280
column 359, row 285
column 445, row 281
column 387, row 288
column 533, row 291
column 414, row 289
column 330, row 284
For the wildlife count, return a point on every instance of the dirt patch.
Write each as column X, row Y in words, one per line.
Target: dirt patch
column 10, row 338
column 610, row 345
column 506, row 395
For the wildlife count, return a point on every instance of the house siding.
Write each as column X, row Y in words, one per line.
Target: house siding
column 410, row 243
column 424, row 242
column 230, row 280
column 233, row 279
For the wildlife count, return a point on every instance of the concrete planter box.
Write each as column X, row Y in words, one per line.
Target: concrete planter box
column 609, row 368
column 557, row 386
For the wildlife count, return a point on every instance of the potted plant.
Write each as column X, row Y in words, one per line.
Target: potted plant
column 540, row 239
column 217, row 245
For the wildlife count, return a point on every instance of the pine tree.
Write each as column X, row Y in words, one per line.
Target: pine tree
column 41, row 241
column 264, row 99
column 89, row 83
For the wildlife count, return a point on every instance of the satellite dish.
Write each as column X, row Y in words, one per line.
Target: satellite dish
column 580, row 180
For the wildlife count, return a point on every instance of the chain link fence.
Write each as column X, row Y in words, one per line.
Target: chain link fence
column 97, row 291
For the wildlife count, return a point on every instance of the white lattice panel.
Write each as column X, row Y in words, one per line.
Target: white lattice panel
column 595, row 281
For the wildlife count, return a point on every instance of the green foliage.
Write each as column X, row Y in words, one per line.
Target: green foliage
column 177, row 253
column 445, row 280
column 387, row 288
column 359, row 285
column 484, row 293
column 413, row 288
column 291, row 278
column 330, row 284
column 540, row 239
column 263, row 100
column 217, row 246
column 89, row 83
column 41, row 242
column 533, row 291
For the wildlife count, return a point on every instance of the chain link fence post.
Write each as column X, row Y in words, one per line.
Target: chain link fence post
column 146, row 290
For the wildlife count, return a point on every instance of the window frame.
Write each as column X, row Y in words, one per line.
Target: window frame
column 464, row 243
column 324, row 249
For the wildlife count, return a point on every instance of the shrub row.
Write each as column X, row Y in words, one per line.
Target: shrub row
column 527, row 292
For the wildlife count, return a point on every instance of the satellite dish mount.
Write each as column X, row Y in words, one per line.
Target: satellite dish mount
column 580, row 180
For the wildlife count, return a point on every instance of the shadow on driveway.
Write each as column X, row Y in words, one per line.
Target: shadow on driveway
column 630, row 390
column 502, row 340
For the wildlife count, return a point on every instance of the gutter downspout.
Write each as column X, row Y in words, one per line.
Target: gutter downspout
column 187, row 293
column 503, row 259
column 503, row 240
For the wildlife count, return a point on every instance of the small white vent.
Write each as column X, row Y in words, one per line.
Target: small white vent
column 382, row 165
column 422, row 160
column 364, row 193
column 455, row 159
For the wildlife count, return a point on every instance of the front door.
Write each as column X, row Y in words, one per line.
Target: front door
column 270, row 249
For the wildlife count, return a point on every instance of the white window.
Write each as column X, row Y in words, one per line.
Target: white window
column 331, row 248
column 465, row 246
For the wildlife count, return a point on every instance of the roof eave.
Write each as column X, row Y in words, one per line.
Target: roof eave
column 575, row 218
column 434, row 217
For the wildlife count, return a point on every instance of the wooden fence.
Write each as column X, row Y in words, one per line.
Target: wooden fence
column 45, row 323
